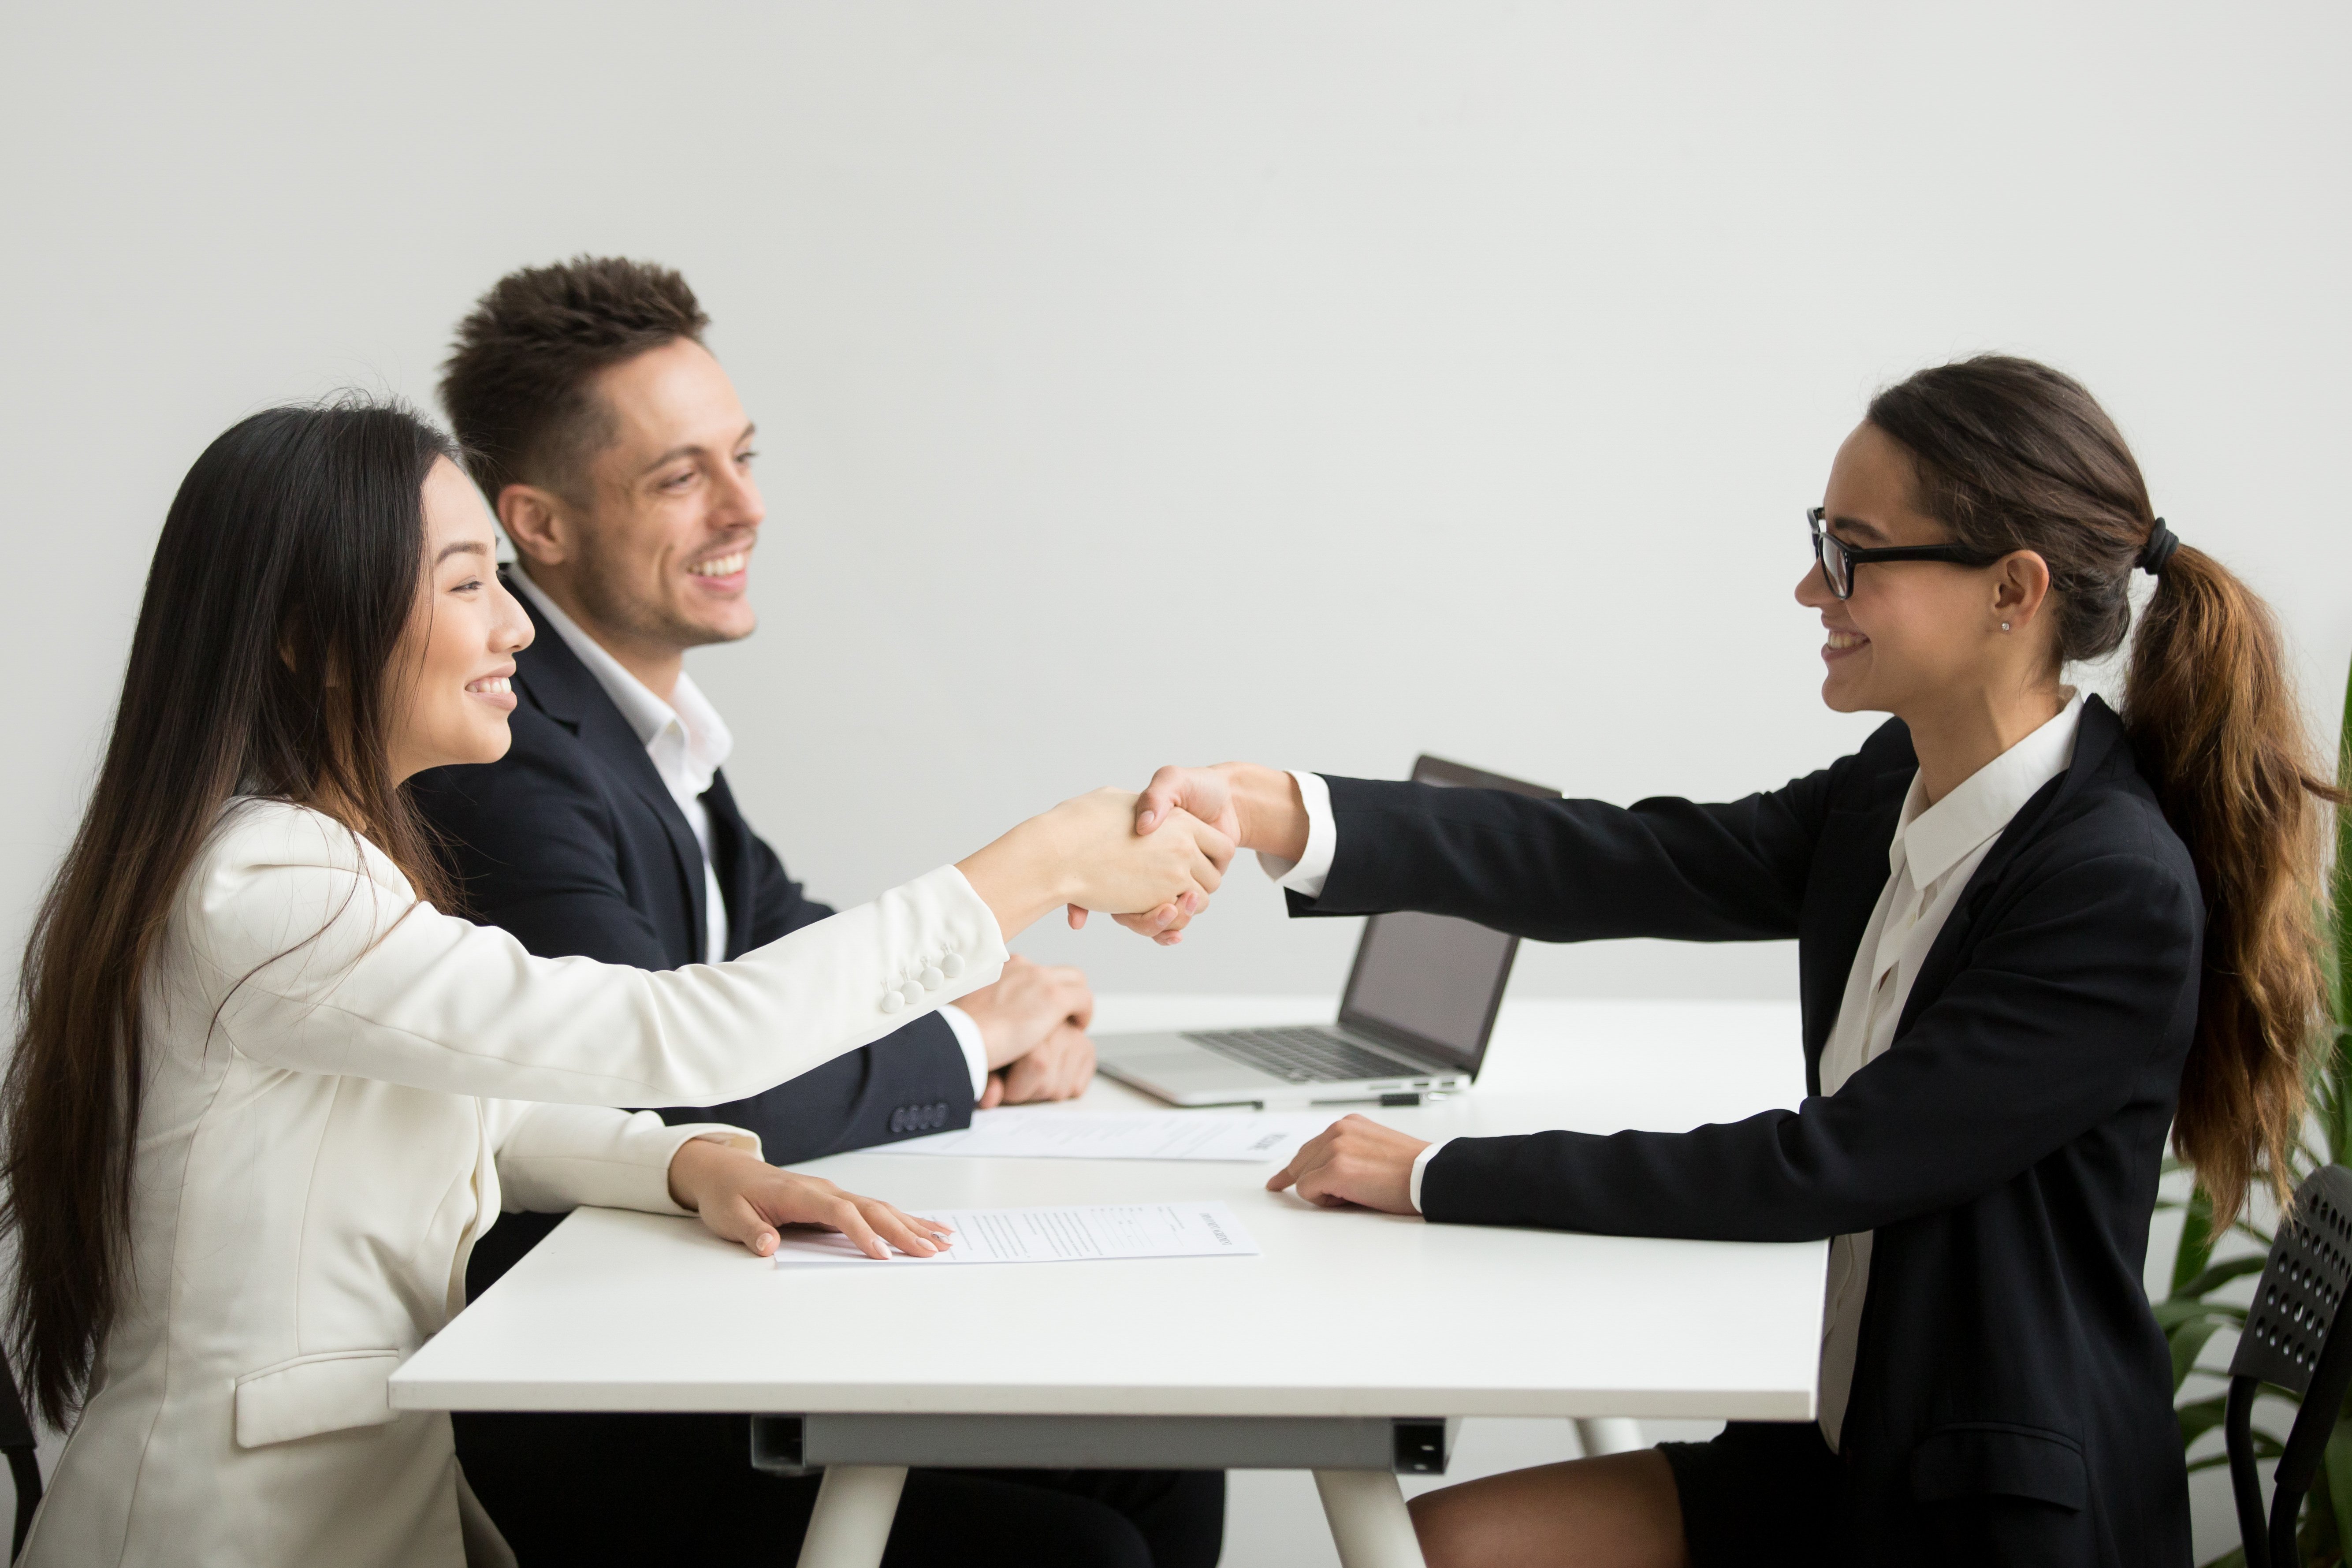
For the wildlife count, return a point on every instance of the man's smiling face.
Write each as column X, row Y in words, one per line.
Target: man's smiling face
column 670, row 514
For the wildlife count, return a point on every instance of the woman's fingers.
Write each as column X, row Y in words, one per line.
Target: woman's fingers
column 1161, row 796
column 1354, row 1161
column 1170, row 916
column 752, row 1213
column 740, row 1220
column 841, row 1214
column 1311, row 1153
column 899, row 1229
column 1212, row 845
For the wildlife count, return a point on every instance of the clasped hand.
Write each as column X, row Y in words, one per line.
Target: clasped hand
column 1244, row 806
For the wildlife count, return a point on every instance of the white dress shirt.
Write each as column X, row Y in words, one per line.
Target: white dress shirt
column 1936, row 849
column 688, row 744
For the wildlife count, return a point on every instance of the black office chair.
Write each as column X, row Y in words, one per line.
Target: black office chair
column 2290, row 1340
column 24, row 1465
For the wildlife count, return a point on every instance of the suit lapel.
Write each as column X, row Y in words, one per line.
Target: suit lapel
column 2096, row 737
column 552, row 678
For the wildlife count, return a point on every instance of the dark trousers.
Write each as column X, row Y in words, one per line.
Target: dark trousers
column 580, row 1489
column 574, row 1490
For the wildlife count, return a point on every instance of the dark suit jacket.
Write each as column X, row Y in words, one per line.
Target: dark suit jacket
column 573, row 843
column 2011, row 1377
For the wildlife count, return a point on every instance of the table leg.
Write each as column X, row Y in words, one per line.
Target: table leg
column 851, row 1522
column 1600, row 1434
column 1369, row 1522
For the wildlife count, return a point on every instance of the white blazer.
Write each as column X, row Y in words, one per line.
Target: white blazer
column 343, row 1088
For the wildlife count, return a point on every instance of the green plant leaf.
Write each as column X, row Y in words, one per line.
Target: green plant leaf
column 2172, row 1314
column 2196, row 1249
column 2265, row 1447
column 2336, row 1474
column 2341, row 881
column 2219, row 1275
column 2200, row 1416
column 2187, row 1341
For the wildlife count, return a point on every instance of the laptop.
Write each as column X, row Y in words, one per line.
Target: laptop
column 1413, row 1021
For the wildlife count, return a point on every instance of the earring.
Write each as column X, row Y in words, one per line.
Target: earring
column 2004, row 626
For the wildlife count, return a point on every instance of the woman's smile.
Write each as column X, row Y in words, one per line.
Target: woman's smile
column 1839, row 643
column 497, row 690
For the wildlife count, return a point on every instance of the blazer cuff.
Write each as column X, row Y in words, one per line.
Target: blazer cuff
column 561, row 1157
column 1304, row 875
column 1421, row 1166
column 1458, row 1188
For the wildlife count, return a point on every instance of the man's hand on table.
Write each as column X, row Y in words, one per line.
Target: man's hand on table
column 1354, row 1161
column 1060, row 1068
column 1033, row 1019
column 744, row 1198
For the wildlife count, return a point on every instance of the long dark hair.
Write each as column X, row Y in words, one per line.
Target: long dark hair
column 2011, row 455
column 262, row 664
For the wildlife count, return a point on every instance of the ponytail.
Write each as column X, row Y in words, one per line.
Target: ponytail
column 2011, row 454
column 2213, row 717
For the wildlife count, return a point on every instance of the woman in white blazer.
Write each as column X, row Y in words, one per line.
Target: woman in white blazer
column 267, row 1092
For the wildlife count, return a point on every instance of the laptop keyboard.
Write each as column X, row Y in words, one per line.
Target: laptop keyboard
column 1303, row 1056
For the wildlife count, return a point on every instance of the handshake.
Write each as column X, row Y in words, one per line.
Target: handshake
column 1150, row 861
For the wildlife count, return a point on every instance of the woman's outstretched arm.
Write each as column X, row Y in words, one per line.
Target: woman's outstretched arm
column 314, row 956
column 1549, row 870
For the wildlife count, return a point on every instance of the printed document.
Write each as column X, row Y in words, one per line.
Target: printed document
column 1049, row 1236
column 1044, row 1133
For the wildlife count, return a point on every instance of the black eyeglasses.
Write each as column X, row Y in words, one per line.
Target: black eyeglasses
column 1838, row 559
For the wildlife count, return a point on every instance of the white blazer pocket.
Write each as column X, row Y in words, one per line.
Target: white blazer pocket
column 328, row 1392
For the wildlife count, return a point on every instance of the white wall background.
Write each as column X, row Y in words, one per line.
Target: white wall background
column 1319, row 382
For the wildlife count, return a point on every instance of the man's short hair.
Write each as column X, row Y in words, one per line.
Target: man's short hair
column 517, row 383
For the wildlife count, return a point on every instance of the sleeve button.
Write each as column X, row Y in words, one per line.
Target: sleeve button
column 932, row 978
column 951, row 965
column 890, row 1002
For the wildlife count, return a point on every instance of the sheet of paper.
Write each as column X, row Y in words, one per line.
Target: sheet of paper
column 1049, row 1236
column 1048, row 1133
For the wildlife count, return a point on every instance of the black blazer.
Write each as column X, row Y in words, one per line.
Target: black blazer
column 573, row 843
column 2011, row 1379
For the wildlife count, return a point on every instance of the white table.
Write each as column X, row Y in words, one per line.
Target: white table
column 1311, row 1356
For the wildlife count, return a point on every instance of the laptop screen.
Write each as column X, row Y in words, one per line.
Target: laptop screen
column 1433, row 980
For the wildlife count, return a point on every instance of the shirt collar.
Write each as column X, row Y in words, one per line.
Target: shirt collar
column 706, row 741
column 1935, row 838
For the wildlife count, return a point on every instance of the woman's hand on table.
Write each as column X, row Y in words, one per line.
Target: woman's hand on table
column 744, row 1198
column 1355, row 1161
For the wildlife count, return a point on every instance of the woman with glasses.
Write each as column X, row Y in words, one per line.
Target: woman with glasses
column 267, row 1091
column 2036, row 936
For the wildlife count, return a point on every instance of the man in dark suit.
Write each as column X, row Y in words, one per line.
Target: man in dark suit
column 617, row 457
